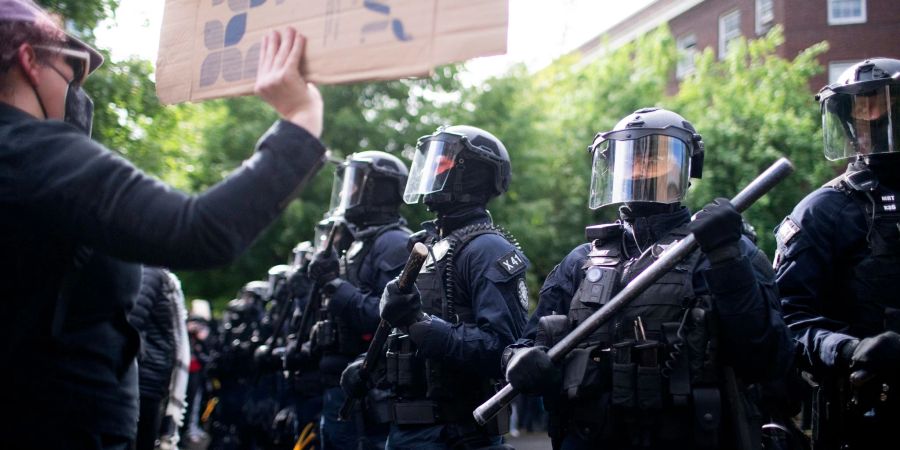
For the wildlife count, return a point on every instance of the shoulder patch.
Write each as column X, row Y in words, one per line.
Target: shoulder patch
column 787, row 231
column 512, row 262
column 523, row 294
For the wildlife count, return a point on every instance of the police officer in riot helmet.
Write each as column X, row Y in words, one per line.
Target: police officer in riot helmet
column 365, row 202
column 651, row 377
column 442, row 359
column 838, row 263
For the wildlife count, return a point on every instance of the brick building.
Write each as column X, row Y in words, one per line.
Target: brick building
column 854, row 29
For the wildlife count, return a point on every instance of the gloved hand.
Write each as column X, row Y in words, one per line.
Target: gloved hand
column 717, row 225
column 297, row 357
column 876, row 355
column 531, row 371
column 399, row 309
column 267, row 359
column 352, row 382
column 324, row 267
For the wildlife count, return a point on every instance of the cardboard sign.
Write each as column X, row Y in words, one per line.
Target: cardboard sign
column 210, row 48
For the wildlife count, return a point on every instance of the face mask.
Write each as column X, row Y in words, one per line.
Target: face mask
column 79, row 109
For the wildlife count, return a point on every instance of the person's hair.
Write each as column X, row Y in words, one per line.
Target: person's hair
column 14, row 34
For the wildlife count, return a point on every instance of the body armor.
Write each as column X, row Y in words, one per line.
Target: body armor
column 652, row 369
column 427, row 392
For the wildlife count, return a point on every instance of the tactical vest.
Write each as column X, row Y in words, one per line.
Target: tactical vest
column 428, row 391
column 649, row 374
column 332, row 335
column 876, row 277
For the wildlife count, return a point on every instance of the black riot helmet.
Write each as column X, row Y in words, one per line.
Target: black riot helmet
column 255, row 291
column 648, row 157
column 368, row 187
column 861, row 110
column 458, row 164
column 278, row 277
column 302, row 255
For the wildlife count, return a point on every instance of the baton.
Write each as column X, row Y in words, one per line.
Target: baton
column 405, row 283
column 309, row 310
column 669, row 259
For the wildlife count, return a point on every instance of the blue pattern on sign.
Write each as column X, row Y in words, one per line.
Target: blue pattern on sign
column 234, row 32
column 228, row 63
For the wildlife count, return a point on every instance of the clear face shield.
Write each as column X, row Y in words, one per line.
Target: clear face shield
column 431, row 166
column 653, row 168
column 861, row 124
column 347, row 191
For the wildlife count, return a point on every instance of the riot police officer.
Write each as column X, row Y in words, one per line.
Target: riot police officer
column 838, row 263
column 652, row 376
column 443, row 363
column 365, row 202
column 232, row 368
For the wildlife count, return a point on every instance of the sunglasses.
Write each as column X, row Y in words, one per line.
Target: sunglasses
column 78, row 60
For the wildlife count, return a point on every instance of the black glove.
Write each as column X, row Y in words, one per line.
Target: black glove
column 268, row 359
column 717, row 225
column 352, row 382
column 399, row 309
column 297, row 357
column 531, row 371
column 324, row 267
column 876, row 355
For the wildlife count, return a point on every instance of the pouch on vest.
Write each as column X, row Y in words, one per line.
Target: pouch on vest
column 623, row 375
column 551, row 329
column 585, row 372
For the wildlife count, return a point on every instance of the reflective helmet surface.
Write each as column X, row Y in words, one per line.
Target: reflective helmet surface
column 301, row 255
column 257, row 290
column 861, row 110
column 368, row 184
column 278, row 276
column 649, row 156
column 458, row 164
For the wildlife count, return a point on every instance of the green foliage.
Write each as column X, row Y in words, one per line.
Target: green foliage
column 752, row 108
column 83, row 14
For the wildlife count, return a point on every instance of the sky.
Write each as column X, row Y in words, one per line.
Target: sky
column 539, row 30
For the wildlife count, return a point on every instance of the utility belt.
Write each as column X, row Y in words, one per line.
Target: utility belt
column 431, row 412
column 428, row 392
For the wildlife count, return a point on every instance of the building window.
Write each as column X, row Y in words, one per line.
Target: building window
column 765, row 16
column 687, row 52
column 842, row 12
column 729, row 31
column 836, row 68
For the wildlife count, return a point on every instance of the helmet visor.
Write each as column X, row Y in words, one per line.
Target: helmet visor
column 653, row 168
column 431, row 166
column 861, row 124
column 347, row 190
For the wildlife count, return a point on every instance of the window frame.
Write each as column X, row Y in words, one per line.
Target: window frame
column 680, row 70
column 863, row 17
column 723, row 43
column 764, row 27
column 843, row 63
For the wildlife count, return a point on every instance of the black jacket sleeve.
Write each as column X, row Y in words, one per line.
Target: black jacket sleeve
column 76, row 188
